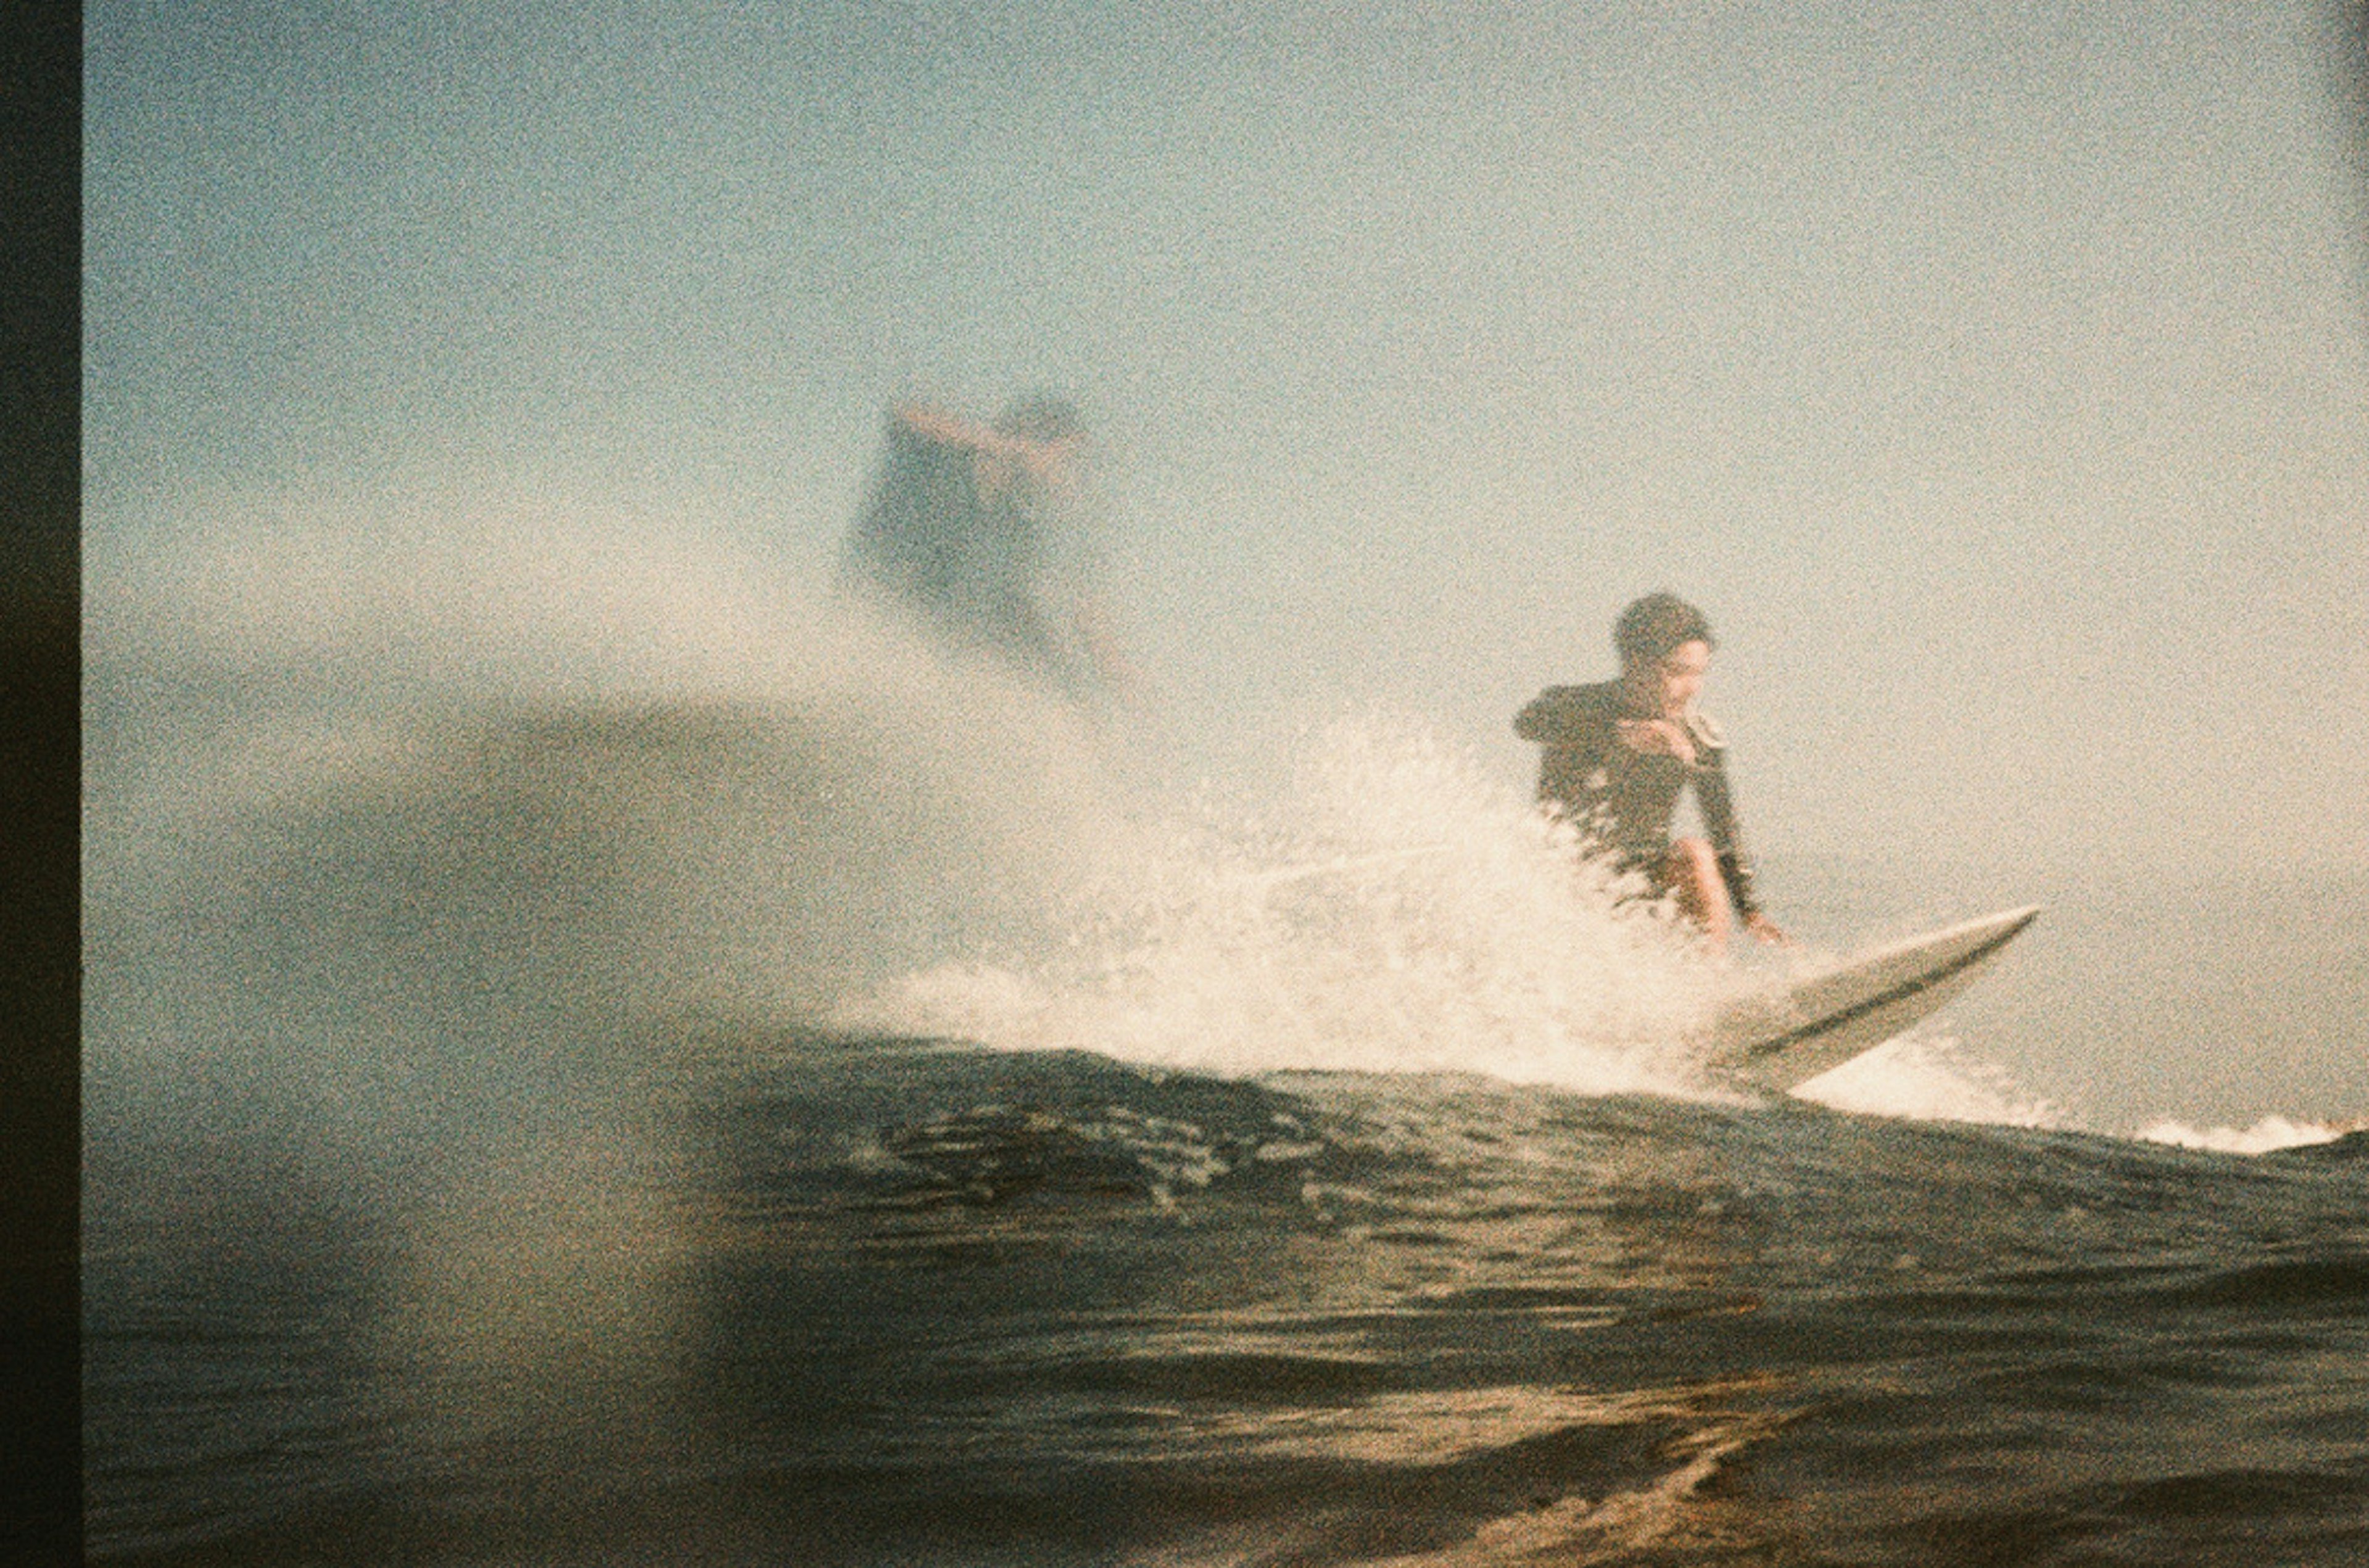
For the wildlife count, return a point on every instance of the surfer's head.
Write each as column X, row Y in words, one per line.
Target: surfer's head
column 1046, row 435
column 1665, row 645
column 1042, row 418
column 1651, row 627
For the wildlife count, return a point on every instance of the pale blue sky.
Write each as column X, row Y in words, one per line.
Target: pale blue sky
column 1998, row 378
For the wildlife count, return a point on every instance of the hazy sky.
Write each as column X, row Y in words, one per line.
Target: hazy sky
column 1996, row 377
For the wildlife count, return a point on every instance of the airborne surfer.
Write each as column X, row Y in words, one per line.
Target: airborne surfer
column 978, row 531
column 1619, row 754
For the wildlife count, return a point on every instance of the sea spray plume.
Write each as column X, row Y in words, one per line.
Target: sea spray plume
column 411, row 819
column 1394, row 911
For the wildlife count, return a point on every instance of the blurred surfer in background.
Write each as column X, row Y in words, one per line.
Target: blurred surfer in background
column 981, row 533
column 1619, row 754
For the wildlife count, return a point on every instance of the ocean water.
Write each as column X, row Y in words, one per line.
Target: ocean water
column 620, row 1064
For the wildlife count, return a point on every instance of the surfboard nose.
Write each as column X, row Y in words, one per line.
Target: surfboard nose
column 1818, row 1022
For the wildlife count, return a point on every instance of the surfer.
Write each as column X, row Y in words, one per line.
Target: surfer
column 979, row 531
column 1619, row 754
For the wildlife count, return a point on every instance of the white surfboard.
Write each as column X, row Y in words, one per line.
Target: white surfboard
column 1808, row 1027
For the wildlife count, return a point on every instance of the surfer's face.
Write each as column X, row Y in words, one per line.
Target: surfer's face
column 1670, row 685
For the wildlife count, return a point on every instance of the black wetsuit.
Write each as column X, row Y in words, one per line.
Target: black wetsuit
column 973, row 561
column 1626, row 799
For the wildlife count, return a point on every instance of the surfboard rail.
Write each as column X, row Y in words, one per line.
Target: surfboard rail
column 1783, row 1039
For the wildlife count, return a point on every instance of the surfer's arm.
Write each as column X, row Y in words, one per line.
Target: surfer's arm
column 1572, row 726
column 1718, row 804
column 1569, row 718
column 1039, row 457
column 942, row 427
column 1542, row 719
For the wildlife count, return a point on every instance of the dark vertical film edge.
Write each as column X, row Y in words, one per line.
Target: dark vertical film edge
column 41, row 148
column 2352, row 89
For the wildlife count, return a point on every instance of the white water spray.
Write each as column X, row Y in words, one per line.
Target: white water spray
column 383, row 824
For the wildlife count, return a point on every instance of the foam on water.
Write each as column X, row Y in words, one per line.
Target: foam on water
column 1927, row 1076
column 2265, row 1137
column 1393, row 911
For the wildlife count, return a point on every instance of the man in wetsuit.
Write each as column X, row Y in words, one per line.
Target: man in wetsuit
column 1619, row 754
column 977, row 531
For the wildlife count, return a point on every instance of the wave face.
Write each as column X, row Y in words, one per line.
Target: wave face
column 885, row 1302
column 594, row 1055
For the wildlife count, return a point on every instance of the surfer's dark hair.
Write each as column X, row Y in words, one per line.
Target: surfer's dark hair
column 1040, row 417
column 1654, row 624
